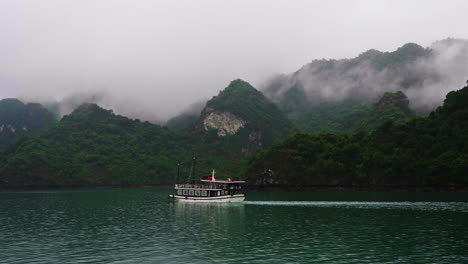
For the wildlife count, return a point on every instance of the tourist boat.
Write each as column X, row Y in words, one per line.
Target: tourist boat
column 210, row 189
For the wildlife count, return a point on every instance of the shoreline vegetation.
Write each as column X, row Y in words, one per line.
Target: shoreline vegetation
column 263, row 188
column 82, row 187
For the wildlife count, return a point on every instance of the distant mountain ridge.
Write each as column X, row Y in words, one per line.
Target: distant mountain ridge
column 371, row 73
column 18, row 120
column 360, row 77
column 337, row 87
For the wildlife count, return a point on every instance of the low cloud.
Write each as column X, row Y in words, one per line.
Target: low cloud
column 426, row 80
column 152, row 59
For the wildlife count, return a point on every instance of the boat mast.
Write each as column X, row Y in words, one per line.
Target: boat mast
column 192, row 171
column 178, row 172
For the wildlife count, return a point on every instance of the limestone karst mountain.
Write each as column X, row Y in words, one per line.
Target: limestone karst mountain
column 245, row 116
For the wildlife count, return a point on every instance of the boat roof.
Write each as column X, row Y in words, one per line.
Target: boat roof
column 222, row 181
column 210, row 178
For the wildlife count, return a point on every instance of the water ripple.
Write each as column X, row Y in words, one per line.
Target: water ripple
column 450, row 206
column 141, row 226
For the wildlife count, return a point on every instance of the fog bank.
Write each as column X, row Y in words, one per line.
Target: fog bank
column 152, row 59
column 425, row 75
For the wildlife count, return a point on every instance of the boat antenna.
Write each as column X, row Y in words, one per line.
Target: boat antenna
column 192, row 170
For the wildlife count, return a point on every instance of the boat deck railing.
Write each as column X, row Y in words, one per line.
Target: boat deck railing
column 205, row 186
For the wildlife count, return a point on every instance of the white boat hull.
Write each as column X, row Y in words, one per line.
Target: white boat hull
column 219, row 199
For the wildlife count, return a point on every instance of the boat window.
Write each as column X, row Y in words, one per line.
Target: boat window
column 191, row 192
column 179, row 192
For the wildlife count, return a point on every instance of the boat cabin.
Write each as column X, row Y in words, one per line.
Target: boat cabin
column 211, row 187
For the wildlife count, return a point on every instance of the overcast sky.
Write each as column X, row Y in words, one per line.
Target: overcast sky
column 160, row 56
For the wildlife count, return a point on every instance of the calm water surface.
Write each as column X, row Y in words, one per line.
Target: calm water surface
column 142, row 226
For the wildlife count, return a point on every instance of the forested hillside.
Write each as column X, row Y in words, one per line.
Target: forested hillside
column 424, row 151
column 93, row 146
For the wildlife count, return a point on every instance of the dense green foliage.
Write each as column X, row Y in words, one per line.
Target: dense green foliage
column 345, row 116
column 18, row 120
column 392, row 107
column 93, row 146
column 432, row 150
column 335, row 117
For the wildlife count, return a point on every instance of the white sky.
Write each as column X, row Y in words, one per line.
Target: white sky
column 164, row 55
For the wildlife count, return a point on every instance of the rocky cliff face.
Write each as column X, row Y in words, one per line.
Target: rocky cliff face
column 241, row 109
column 225, row 123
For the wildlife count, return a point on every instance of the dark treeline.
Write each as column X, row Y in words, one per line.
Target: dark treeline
column 423, row 151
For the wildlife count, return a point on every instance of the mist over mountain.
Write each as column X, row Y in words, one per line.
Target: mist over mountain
column 425, row 75
column 129, row 107
column 187, row 117
column 153, row 59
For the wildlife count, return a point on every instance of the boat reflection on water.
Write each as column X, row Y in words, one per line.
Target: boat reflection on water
column 213, row 215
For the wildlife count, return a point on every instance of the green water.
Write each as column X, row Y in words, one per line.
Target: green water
column 142, row 226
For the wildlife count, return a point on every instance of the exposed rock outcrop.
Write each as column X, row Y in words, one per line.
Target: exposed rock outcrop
column 225, row 122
